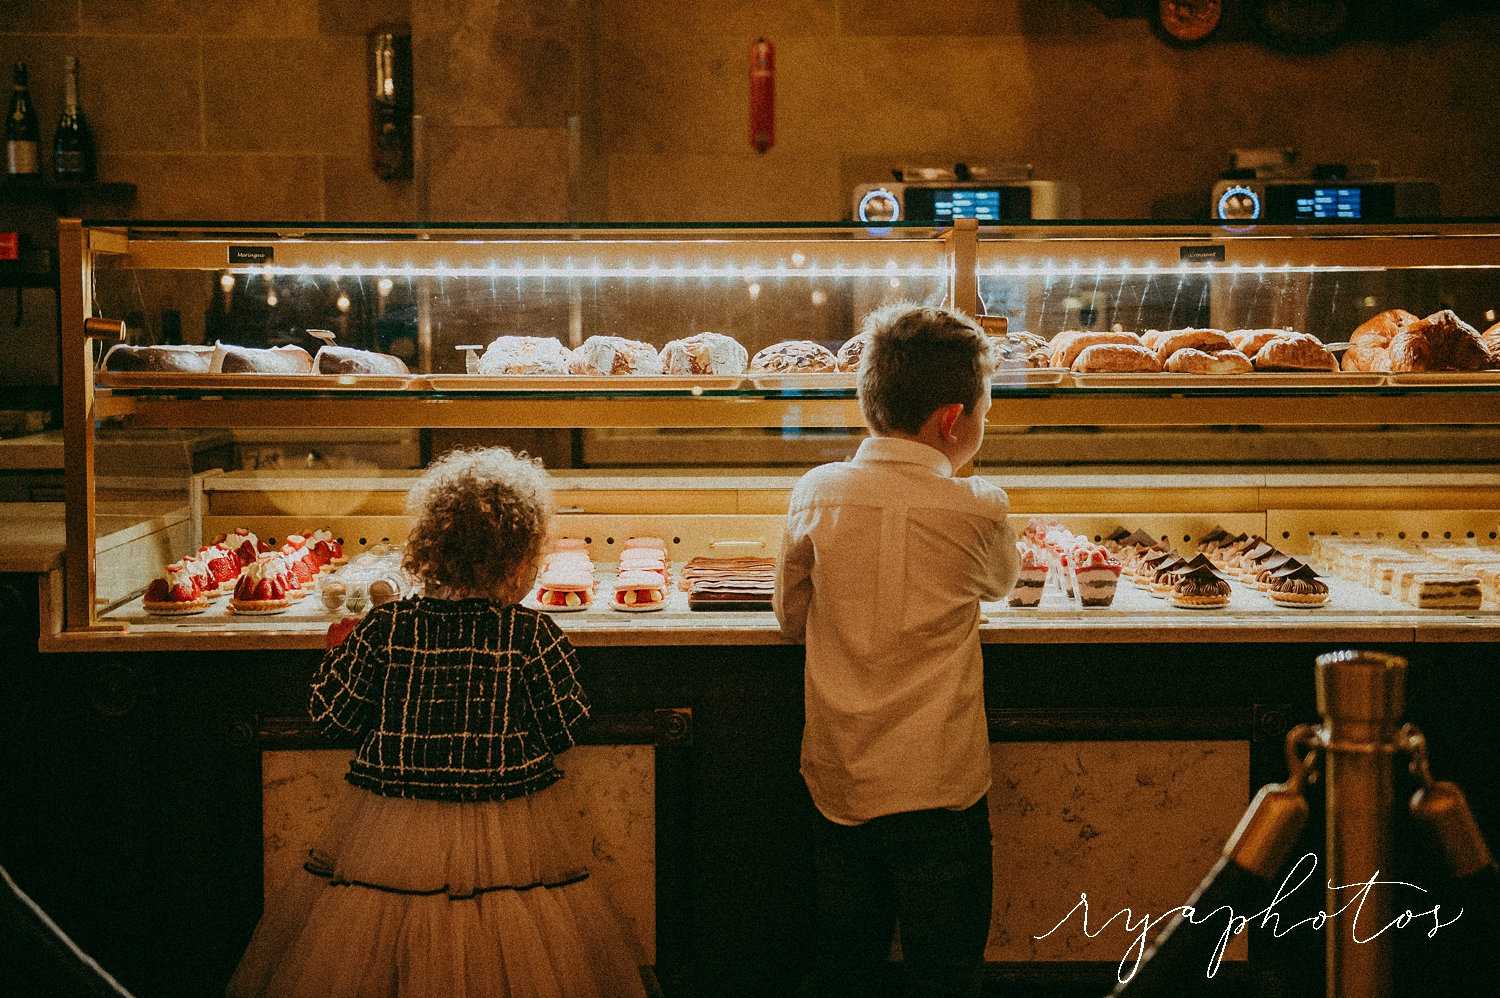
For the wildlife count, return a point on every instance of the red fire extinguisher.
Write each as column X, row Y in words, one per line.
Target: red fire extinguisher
column 762, row 95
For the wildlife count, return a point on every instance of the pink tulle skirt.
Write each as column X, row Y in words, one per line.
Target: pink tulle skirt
column 437, row 899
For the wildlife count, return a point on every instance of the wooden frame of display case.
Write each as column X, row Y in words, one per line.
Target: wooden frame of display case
column 1450, row 245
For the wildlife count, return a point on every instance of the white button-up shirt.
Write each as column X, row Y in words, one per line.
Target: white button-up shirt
column 882, row 568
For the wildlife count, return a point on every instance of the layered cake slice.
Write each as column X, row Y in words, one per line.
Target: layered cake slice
column 1032, row 580
column 1444, row 591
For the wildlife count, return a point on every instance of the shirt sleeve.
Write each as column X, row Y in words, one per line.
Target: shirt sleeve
column 346, row 687
column 1002, row 561
column 552, row 683
column 794, row 589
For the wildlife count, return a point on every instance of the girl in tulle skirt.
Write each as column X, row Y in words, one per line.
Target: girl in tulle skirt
column 448, row 869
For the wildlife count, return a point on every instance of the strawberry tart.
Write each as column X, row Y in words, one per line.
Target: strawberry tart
column 262, row 588
column 175, row 593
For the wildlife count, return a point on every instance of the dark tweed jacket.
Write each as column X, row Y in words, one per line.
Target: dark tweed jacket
column 454, row 699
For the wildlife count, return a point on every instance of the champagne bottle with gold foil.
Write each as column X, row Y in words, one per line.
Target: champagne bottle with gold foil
column 72, row 145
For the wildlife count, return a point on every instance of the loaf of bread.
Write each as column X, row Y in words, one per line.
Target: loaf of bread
column 231, row 359
column 1440, row 342
column 705, row 353
column 332, row 359
column 190, row 359
column 794, row 357
column 525, row 355
column 609, row 355
column 1102, row 358
column 1292, row 351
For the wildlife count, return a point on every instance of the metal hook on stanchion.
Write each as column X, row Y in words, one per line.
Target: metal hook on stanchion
column 1241, row 879
column 1442, row 809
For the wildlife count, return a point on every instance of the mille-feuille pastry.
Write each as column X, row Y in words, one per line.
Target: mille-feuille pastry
column 174, row 593
column 525, row 355
column 614, row 355
column 1444, row 591
column 794, row 357
column 1066, row 346
column 705, row 353
column 1370, row 343
column 1206, row 340
column 1294, row 352
column 1440, row 342
column 852, row 352
column 1116, row 358
column 1032, row 579
column 1200, row 589
column 1190, row 360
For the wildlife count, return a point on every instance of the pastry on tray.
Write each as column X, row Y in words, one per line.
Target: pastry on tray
column 1440, row 342
column 1370, row 343
column 174, row 593
column 524, row 355
column 565, row 587
column 1205, row 340
column 1191, row 360
column 611, row 355
column 1294, row 352
column 635, row 591
column 231, row 359
column 852, row 352
column 794, row 357
column 705, row 353
column 174, row 357
column 262, row 589
column 1201, row 588
column 1067, row 345
column 332, row 359
column 1296, row 586
column 1115, row 358
column 1249, row 341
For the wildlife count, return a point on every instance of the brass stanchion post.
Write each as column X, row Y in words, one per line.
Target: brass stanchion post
column 1361, row 697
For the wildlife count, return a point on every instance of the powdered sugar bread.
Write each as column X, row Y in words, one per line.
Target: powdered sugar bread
column 525, row 355
column 610, row 355
column 705, row 353
column 794, row 357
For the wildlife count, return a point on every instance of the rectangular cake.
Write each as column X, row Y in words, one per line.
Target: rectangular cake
column 1444, row 591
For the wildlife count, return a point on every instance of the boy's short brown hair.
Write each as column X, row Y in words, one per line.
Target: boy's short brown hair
column 478, row 520
column 918, row 359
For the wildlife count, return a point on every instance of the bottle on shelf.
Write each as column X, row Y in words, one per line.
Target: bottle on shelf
column 73, row 144
column 23, row 135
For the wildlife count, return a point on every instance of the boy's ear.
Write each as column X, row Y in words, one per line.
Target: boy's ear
column 947, row 418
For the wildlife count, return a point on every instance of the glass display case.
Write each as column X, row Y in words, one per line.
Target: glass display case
column 1293, row 456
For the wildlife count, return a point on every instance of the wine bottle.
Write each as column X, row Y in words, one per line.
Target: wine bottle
column 73, row 145
column 22, row 134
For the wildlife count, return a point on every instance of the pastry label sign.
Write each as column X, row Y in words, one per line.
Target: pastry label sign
column 1200, row 254
column 252, row 254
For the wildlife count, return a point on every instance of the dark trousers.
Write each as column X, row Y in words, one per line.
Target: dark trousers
column 930, row 871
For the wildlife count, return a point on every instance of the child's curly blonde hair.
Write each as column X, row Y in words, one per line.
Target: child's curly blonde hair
column 478, row 520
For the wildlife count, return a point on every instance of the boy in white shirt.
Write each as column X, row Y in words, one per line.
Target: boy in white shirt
column 885, row 560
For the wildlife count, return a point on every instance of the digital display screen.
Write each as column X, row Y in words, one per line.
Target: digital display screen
column 1336, row 201
column 988, row 204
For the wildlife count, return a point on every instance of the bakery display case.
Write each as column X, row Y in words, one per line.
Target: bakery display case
column 726, row 341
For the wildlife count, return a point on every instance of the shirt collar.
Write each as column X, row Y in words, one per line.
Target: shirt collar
column 895, row 450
